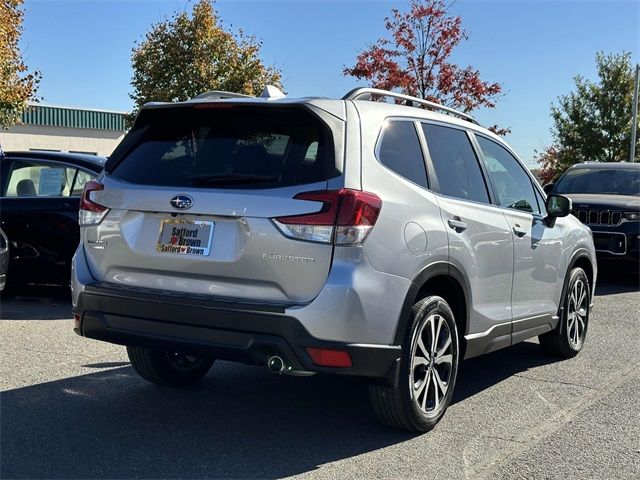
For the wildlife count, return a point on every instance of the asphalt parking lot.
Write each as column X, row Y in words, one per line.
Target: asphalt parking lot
column 74, row 408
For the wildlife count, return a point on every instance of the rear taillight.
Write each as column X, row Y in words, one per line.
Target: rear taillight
column 346, row 217
column 357, row 216
column 91, row 212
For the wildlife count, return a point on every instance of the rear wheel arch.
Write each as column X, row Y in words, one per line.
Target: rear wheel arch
column 446, row 281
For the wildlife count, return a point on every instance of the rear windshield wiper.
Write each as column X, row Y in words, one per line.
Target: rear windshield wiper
column 230, row 178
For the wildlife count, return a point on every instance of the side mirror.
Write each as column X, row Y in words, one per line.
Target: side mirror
column 548, row 187
column 558, row 206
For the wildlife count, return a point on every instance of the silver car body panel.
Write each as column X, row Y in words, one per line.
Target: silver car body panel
column 539, row 265
column 349, row 294
column 483, row 252
column 249, row 256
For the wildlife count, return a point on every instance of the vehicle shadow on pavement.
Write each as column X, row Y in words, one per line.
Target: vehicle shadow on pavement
column 239, row 422
column 36, row 303
column 479, row 373
column 612, row 281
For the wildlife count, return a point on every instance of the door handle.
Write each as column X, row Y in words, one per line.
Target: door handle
column 456, row 224
column 519, row 231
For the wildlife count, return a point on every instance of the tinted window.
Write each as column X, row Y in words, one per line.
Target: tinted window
column 618, row 181
column 228, row 147
column 400, row 151
column 541, row 202
column 512, row 184
column 455, row 163
column 81, row 178
column 34, row 179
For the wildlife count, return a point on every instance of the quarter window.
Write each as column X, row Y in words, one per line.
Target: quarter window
column 455, row 164
column 400, row 151
column 512, row 184
column 82, row 177
column 541, row 203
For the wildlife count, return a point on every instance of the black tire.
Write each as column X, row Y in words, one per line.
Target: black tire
column 399, row 406
column 169, row 368
column 560, row 341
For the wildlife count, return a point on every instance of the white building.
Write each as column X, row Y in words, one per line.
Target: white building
column 64, row 129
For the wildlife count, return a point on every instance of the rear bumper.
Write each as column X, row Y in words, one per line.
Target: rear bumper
column 247, row 333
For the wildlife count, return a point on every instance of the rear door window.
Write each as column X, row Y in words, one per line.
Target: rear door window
column 399, row 150
column 455, row 163
column 36, row 179
column 229, row 146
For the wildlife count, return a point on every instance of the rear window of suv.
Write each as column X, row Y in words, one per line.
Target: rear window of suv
column 228, row 146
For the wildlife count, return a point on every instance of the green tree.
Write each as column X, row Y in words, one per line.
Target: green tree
column 186, row 55
column 592, row 123
column 17, row 84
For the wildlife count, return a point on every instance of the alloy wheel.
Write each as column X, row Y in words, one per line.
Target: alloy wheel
column 577, row 310
column 431, row 364
column 182, row 361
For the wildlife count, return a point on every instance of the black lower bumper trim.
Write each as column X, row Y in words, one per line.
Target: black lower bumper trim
column 248, row 334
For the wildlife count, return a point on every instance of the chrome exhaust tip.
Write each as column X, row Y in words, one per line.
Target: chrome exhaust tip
column 275, row 364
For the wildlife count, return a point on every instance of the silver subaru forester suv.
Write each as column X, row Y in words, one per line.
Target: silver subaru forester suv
column 387, row 240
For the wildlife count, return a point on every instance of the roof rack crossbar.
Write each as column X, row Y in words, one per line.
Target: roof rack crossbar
column 219, row 94
column 365, row 93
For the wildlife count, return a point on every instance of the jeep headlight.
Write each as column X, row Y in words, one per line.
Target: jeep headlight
column 631, row 216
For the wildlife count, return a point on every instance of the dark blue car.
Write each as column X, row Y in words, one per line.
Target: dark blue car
column 39, row 212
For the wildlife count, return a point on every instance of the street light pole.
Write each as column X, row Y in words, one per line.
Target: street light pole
column 634, row 116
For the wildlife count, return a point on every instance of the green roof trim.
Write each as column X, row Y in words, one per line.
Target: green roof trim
column 73, row 118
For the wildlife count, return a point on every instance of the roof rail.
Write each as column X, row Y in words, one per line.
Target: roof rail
column 365, row 93
column 219, row 94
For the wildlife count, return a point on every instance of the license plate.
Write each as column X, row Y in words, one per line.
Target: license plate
column 185, row 237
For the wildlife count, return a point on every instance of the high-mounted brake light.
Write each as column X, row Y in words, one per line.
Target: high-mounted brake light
column 90, row 212
column 213, row 106
column 346, row 217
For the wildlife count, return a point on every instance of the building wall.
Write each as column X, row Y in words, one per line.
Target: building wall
column 42, row 137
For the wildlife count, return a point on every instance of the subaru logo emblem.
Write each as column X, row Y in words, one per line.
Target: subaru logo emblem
column 181, row 201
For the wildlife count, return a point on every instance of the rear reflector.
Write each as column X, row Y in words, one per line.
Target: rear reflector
column 346, row 217
column 325, row 357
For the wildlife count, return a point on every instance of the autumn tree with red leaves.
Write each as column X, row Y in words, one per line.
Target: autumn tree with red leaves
column 414, row 60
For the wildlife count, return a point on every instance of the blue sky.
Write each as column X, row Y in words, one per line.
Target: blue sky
column 532, row 47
